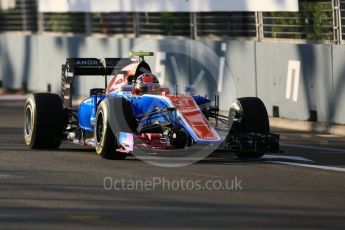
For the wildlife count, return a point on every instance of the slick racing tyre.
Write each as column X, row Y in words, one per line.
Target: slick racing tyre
column 248, row 115
column 43, row 121
column 122, row 117
column 105, row 140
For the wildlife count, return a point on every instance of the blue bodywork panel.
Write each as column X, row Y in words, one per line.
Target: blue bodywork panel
column 201, row 100
column 141, row 104
column 87, row 112
column 147, row 103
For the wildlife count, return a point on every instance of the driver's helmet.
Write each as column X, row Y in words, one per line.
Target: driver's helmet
column 147, row 83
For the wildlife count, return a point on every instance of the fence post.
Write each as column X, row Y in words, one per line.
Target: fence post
column 259, row 26
column 136, row 24
column 24, row 19
column 193, row 25
column 88, row 23
column 40, row 22
column 337, row 30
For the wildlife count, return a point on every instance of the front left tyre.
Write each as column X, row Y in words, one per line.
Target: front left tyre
column 105, row 140
column 43, row 121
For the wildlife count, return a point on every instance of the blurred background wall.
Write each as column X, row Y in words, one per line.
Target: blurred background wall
column 292, row 60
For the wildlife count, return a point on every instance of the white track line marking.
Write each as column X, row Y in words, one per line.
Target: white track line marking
column 4, row 176
column 314, row 148
column 281, row 157
column 327, row 135
column 338, row 169
column 273, row 158
column 13, row 97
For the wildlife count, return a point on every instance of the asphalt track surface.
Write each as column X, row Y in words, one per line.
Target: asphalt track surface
column 301, row 188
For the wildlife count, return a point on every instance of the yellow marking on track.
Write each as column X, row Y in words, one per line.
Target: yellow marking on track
column 284, row 136
column 84, row 218
column 324, row 142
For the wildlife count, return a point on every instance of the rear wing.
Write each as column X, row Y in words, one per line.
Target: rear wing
column 87, row 66
column 94, row 66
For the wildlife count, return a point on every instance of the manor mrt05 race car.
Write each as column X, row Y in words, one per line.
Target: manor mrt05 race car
column 134, row 112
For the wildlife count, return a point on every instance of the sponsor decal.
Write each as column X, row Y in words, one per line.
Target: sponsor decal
column 89, row 62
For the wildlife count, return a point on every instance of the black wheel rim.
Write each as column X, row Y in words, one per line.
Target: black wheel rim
column 28, row 121
column 235, row 113
column 99, row 128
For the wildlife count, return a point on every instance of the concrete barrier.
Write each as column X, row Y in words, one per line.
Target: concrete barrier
column 298, row 81
column 297, row 78
column 338, row 97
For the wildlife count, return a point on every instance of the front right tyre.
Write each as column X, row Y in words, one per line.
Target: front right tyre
column 248, row 115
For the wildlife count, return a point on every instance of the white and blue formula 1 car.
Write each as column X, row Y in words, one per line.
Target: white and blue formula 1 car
column 134, row 111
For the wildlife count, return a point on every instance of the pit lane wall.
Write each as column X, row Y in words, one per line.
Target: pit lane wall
column 296, row 81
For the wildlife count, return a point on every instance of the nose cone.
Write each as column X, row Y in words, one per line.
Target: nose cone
column 194, row 118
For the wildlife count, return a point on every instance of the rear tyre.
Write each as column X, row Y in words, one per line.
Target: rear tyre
column 105, row 140
column 44, row 121
column 248, row 115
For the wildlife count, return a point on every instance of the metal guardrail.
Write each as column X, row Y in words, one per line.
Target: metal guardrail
column 169, row 24
column 21, row 16
column 317, row 20
column 314, row 21
column 64, row 22
column 340, row 16
column 112, row 23
column 105, row 23
column 236, row 24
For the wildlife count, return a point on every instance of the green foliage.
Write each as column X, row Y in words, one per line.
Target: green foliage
column 7, row 12
column 313, row 22
column 65, row 22
column 167, row 23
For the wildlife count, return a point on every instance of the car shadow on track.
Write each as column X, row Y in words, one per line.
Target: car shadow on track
column 218, row 158
column 228, row 158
